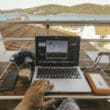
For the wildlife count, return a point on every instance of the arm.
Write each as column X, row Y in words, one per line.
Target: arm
column 34, row 96
column 22, row 106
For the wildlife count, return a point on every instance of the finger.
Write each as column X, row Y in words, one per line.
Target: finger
column 41, row 82
column 50, row 87
column 36, row 83
column 48, row 103
column 46, row 85
column 33, row 83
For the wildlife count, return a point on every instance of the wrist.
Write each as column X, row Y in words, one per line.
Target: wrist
column 22, row 106
column 27, row 104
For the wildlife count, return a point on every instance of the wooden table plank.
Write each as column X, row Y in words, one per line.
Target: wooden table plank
column 21, row 87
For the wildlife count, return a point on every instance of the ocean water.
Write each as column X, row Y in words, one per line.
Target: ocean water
column 6, row 16
column 62, row 16
column 70, row 17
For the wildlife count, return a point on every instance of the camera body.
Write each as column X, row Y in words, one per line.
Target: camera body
column 24, row 58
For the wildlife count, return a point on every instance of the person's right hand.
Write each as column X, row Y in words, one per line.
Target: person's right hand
column 35, row 93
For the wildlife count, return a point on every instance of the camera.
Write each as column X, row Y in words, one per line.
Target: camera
column 24, row 58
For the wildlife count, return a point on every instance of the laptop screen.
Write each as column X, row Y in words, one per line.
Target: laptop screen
column 57, row 50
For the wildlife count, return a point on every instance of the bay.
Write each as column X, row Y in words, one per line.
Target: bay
column 62, row 16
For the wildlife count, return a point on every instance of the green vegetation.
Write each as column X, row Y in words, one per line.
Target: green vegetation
column 55, row 9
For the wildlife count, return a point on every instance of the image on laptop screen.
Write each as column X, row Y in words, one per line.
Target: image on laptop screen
column 56, row 49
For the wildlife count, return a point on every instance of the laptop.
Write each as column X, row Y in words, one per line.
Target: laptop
column 57, row 60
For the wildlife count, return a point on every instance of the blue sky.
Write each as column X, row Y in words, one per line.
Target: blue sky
column 12, row 4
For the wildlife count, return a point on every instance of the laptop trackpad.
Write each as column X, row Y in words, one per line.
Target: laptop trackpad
column 61, row 85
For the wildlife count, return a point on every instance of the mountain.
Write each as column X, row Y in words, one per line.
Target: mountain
column 48, row 9
column 91, row 9
column 55, row 9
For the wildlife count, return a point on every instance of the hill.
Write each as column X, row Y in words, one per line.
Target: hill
column 48, row 9
column 55, row 9
column 91, row 9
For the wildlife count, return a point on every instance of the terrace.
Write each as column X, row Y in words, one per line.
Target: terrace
column 19, row 35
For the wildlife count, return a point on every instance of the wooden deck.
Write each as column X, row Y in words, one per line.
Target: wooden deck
column 24, row 31
column 30, row 31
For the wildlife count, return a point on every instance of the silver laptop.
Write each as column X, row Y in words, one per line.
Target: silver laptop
column 57, row 60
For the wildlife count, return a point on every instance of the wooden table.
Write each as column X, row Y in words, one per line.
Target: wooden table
column 21, row 87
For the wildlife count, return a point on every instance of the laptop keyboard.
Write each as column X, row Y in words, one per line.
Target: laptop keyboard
column 54, row 72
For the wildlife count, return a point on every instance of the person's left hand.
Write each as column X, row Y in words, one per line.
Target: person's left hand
column 34, row 95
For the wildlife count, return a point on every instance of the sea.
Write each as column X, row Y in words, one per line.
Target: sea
column 62, row 16
column 7, row 16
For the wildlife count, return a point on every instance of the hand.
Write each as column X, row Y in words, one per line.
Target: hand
column 34, row 95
